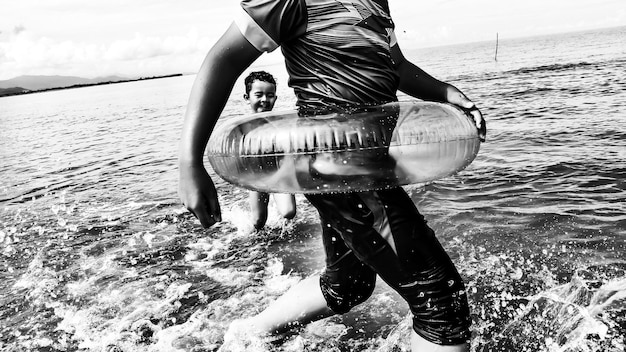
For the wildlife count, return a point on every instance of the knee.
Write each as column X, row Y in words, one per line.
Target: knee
column 446, row 321
column 289, row 213
column 259, row 222
column 286, row 204
column 341, row 297
column 259, row 218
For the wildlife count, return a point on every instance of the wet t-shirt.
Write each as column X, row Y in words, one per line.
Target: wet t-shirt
column 337, row 52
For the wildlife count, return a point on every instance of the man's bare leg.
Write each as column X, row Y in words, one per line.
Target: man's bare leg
column 301, row 304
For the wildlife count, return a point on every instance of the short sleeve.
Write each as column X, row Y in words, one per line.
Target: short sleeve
column 268, row 23
column 393, row 40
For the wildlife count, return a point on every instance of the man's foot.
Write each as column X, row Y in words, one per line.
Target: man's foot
column 242, row 335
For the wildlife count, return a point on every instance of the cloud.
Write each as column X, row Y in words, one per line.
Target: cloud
column 18, row 29
column 67, row 37
column 7, row 34
column 144, row 37
column 446, row 22
column 143, row 47
column 138, row 55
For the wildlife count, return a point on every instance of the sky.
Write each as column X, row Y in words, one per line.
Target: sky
column 143, row 38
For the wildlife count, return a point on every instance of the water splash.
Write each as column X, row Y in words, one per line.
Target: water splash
column 574, row 317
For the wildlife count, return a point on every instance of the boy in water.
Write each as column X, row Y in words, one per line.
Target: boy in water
column 261, row 96
column 340, row 55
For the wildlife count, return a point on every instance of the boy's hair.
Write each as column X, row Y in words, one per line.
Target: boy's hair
column 258, row 76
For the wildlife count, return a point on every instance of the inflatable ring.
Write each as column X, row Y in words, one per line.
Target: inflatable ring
column 378, row 147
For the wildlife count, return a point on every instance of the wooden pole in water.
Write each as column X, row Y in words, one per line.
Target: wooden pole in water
column 496, row 56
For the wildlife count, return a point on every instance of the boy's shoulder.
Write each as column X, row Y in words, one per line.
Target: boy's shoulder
column 269, row 23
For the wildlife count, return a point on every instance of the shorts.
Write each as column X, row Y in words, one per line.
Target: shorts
column 381, row 233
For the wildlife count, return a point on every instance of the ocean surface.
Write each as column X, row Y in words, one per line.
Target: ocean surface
column 97, row 254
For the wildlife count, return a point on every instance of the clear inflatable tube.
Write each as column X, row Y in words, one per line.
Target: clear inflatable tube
column 379, row 147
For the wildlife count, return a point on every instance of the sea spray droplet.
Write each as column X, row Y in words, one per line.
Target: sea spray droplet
column 148, row 238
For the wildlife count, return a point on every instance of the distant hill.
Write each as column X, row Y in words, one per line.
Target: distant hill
column 34, row 84
column 12, row 91
column 48, row 82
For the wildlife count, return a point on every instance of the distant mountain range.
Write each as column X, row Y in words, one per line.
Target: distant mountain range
column 30, row 84
column 49, row 82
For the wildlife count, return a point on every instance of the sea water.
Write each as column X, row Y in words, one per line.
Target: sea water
column 97, row 254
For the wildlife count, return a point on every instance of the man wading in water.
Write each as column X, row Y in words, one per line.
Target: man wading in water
column 340, row 56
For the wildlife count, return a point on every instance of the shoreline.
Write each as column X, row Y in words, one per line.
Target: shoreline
column 7, row 92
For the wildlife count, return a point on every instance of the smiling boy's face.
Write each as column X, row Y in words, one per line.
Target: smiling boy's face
column 262, row 96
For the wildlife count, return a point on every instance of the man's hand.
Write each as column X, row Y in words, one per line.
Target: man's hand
column 198, row 194
column 456, row 97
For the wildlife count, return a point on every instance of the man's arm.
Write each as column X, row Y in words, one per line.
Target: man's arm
column 416, row 82
column 226, row 60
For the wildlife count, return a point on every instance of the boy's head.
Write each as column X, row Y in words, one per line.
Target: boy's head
column 260, row 91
